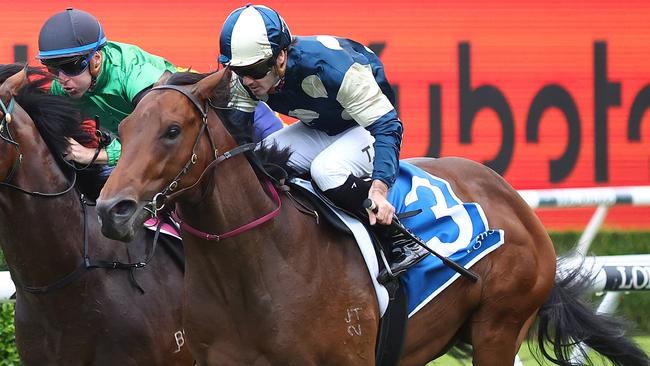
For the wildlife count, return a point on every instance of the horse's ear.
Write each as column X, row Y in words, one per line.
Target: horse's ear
column 163, row 78
column 13, row 84
column 204, row 89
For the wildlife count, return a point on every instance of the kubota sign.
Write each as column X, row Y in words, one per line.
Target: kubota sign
column 550, row 94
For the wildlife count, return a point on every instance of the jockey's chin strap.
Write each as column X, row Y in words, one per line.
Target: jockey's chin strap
column 159, row 200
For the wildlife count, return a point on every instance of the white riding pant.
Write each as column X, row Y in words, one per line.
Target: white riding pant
column 329, row 159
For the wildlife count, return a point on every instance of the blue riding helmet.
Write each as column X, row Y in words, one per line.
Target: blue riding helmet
column 69, row 33
column 251, row 34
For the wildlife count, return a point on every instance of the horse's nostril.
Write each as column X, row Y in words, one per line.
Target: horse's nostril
column 118, row 213
column 124, row 208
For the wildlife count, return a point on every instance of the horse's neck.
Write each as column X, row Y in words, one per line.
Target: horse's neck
column 41, row 237
column 235, row 265
column 235, row 198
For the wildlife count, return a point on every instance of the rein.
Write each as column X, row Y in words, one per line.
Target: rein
column 159, row 199
column 217, row 237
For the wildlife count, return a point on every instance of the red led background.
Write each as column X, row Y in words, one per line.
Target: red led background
column 516, row 47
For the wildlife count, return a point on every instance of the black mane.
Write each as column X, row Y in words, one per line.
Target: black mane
column 55, row 117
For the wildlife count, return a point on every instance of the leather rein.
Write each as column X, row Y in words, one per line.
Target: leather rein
column 167, row 194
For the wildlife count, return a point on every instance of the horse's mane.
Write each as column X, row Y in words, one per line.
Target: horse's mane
column 55, row 117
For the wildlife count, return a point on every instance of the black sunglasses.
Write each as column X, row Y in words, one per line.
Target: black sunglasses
column 255, row 71
column 70, row 66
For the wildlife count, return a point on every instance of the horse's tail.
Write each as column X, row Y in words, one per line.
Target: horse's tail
column 566, row 320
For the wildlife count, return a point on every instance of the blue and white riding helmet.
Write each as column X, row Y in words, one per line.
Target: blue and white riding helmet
column 251, row 34
column 71, row 32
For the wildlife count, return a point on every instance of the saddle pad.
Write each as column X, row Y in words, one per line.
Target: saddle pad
column 166, row 228
column 452, row 228
column 449, row 226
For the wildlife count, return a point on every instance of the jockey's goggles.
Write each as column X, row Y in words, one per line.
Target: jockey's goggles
column 71, row 66
column 255, row 71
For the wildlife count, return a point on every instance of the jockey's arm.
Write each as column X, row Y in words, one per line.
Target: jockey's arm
column 84, row 155
column 363, row 99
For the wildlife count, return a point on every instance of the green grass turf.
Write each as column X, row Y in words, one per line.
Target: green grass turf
column 528, row 359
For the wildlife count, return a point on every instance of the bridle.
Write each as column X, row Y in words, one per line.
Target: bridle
column 160, row 198
column 87, row 262
column 158, row 201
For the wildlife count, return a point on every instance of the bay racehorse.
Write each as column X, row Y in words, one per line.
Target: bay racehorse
column 269, row 286
column 68, row 313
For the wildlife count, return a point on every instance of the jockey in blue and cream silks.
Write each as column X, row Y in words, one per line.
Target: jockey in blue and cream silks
column 348, row 129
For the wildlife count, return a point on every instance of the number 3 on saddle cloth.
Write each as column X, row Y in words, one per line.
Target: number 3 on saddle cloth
column 454, row 229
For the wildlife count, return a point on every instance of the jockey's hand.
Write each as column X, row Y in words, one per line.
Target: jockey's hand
column 84, row 155
column 385, row 211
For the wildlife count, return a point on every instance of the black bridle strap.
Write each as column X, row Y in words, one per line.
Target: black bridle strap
column 227, row 155
column 88, row 263
column 41, row 194
column 183, row 90
column 159, row 200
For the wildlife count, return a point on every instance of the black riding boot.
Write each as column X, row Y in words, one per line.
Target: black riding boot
column 403, row 250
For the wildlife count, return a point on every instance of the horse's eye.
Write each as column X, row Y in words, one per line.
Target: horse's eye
column 172, row 132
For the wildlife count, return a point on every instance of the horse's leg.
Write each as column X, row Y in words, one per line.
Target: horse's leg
column 433, row 329
column 512, row 294
column 494, row 338
column 524, row 330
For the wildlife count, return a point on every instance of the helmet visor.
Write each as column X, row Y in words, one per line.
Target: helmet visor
column 255, row 71
column 71, row 66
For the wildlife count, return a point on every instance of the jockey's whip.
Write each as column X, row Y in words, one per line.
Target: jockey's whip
column 397, row 224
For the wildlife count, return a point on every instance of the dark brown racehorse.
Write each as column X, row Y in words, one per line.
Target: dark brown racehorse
column 67, row 314
column 286, row 291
